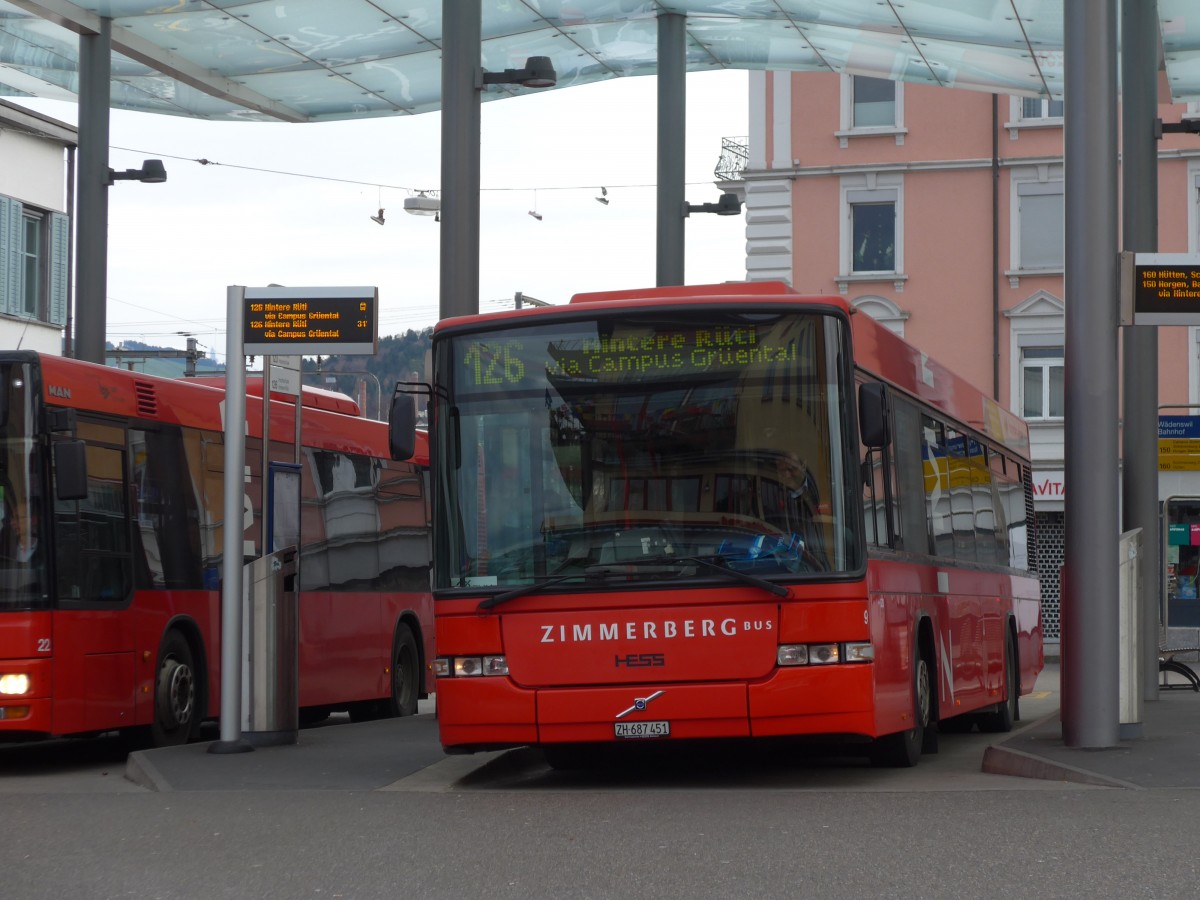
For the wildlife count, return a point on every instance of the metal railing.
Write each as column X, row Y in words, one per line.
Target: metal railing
column 735, row 156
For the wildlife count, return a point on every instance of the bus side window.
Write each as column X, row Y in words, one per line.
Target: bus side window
column 910, row 477
column 937, row 486
column 878, row 496
column 92, row 534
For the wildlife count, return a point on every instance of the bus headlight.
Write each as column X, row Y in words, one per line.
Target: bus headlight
column 792, row 655
column 824, row 654
column 469, row 666
column 860, row 651
column 495, row 665
column 14, row 684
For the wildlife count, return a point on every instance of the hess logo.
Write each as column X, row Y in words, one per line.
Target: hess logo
column 640, row 660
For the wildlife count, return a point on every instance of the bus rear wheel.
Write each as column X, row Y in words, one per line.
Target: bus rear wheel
column 175, row 708
column 1002, row 718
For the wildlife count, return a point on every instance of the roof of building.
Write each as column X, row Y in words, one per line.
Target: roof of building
column 13, row 115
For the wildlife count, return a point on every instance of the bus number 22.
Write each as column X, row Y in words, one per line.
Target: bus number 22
column 43, row 645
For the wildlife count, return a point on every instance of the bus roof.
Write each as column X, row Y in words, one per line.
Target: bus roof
column 196, row 403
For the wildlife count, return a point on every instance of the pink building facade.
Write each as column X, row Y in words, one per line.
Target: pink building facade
column 940, row 213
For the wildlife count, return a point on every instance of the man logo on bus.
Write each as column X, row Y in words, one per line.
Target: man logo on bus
column 639, row 704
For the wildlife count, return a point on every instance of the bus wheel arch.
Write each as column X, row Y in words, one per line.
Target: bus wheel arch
column 179, row 692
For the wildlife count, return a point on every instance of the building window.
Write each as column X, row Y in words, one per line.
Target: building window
column 1040, row 108
column 34, row 247
column 1037, row 236
column 871, row 106
column 31, row 251
column 873, row 233
column 872, row 229
column 874, row 102
column 1042, row 383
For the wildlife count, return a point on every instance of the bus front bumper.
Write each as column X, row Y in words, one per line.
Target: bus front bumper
column 490, row 713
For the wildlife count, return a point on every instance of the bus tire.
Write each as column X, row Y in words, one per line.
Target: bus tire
column 1005, row 714
column 903, row 749
column 406, row 672
column 176, row 713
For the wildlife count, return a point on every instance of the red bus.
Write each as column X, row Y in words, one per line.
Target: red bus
column 727, row 511
column 111, row 552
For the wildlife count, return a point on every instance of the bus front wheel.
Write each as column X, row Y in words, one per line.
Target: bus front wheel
column 175, row 713
column 903, row 749
column 406, row 672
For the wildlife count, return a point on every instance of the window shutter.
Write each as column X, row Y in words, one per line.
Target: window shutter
column 60, row 254
column 12, row 270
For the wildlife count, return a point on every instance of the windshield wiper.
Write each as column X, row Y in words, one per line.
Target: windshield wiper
column 531, row 588
column 652, row 565
column 665, row 565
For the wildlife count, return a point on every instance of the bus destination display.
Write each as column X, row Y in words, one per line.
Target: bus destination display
column 628, row 357
column 309, row 321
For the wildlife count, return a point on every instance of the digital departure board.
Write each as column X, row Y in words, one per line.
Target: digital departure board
column 1166, row 289
column 310, row 320
column 639, row 353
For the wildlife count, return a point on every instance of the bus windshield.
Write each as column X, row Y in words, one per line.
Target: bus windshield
column 22, row 565
column 635, row 445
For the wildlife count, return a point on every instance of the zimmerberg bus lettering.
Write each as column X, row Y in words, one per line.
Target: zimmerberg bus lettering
column 649, row 631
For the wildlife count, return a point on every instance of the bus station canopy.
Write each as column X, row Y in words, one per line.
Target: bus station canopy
column 316, row 60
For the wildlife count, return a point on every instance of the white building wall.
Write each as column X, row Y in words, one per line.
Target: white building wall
column 32, row 169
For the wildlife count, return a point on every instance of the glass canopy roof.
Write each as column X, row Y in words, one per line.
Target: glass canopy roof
column 314, row 60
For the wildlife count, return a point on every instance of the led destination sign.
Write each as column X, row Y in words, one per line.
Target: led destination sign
column 299, row 321
column 632, row 357
column 1166, row 289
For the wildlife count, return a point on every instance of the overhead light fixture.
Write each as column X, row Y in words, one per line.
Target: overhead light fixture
column 603, row 198
column 538, row 73
column 152, row 172
column 378, row 219
column 422, row 204
column 727, row 205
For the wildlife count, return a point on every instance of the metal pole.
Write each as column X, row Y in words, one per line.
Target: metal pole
column 461, row 83
column 1139, row 436
column 672, row 143
column 232, row 532
column 91, row 219
column 266, row 456
column 1090, row 664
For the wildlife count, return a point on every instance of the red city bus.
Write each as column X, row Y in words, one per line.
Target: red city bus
column 727, row 511
column 111, row 552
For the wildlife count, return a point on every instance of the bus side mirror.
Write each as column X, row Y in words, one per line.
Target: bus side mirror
column 873, row 415
column 70, row 470
column 402, row 426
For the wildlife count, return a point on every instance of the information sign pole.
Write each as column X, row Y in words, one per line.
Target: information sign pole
column 262, row 321
column 231, row 561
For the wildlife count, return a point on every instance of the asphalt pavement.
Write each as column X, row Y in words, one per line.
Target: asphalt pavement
column 381, row 755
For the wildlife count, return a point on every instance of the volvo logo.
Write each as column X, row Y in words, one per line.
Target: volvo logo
column 639, row 704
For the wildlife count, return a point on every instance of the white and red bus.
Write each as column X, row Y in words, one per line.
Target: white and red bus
column 111, row 552
column 727, row 511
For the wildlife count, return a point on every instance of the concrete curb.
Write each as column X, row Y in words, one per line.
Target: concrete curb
column 1000, row 759
column 143, row 773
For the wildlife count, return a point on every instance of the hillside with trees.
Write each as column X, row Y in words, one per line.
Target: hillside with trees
column 401, row 357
